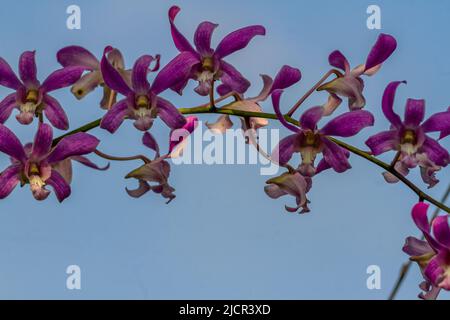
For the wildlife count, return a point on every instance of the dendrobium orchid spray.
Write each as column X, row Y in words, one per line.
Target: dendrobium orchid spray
column 317, row 131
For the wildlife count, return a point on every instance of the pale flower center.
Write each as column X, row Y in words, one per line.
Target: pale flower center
column 409, row 142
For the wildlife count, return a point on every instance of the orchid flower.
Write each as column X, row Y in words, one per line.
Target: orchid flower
column 210, row 65
column 432, row 255
column 409, row 137
column 31, row 97
column 350, row 85
column 293, row 184
column 35, row 165
column 286, row 77
column 310, row 141
column 141, row 101
column 75, row 56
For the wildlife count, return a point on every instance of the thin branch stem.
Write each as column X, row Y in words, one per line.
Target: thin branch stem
column 396, row 158
column 115, row 158
column 206, row 109
column 407, row 265
column 311, row 91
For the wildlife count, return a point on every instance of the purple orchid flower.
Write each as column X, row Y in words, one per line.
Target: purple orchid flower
column 286, row 77
column 35, row 165
column 210, row 65
column 410, row 137
column 76, row 56
column 309, row 140
column 293, row 184
column 31, row 97
column 142, row 102
column 351, row 85
column 432, row 255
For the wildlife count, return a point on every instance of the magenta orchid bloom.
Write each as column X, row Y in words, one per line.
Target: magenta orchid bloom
column 293, row 184
column 210, row 65
column 285, row 78
column 309, row 140
column 75, row 56
column 432, row 255
column 35, row 165
column 31, row 97
column 142, row 102
column 410, row 137
column 351, row 85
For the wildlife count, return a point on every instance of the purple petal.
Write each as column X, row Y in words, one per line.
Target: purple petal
column 180, row 41
column 348, row 124
column 437, row 122
column 176, row 71
column 88, row 163
column 441, row 230
column 27, row 68
column 61, row 187
column 311, row 117
column 388, row 103
column 6, row 107
column 142, row 189
column 10, row 144
column 62, row 78
column 435, row 152
column 169, row 114
column 414, row 112
column 416, row 247
column 382, row 50
column 111, row 76
column 335, row 156
column 55, row 113
column 238, row 40
column 75, row 56
column 434, row 272
column 285, row 149
column 265, row 91
column 383, row 142
column 419, row 215
column 338, row 60
column 42, row 142
column 74, row 145
column 286, row 77
column 7, row 76
column 139, row 75
column 276, row 96
column 114, row 117
column 9, row 179
column 149, row 141
column 233, row 78
column 202, row 37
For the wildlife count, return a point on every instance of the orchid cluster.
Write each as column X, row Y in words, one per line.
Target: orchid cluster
column 129, row 95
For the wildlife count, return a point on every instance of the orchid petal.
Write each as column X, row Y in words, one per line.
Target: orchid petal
column 10, row 144
column 42, row 142
column 180, row 41
column 437, row 122
column 416, row 247
column 6, row 107
column 382, row 50
column 111, row 76
column 149, row 141
column 222, row 124
column 59, row 184
column 28, row 69
column 388, row 103
column 383, row 142
column 76, row 56
column 88, row 163
column 114, row 117
column 285, row 149
column 414, row 112
column 435, row 152
column 9, row 179
column 335, row 156
column 74, row 145
column 338, row 60
column 286, row 77
column 233, row 78
column 176, row 71
column 179, row 136
column 238, row 40
column 276, row 96
column 311, row 117
column 139, row 75
column 142, row 189
column 333, row 102
column 441, row 230
column 169, row 114
column 202, row 37
column 348, row 124
column 55, row 113
column 7, row 76
column 62, row 78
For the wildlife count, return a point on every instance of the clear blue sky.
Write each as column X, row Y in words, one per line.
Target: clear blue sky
column 221, row 238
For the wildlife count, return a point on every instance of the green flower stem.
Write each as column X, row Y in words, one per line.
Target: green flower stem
column 246, row 114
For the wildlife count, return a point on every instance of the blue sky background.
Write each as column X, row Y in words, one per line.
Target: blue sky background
column 221, row 238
